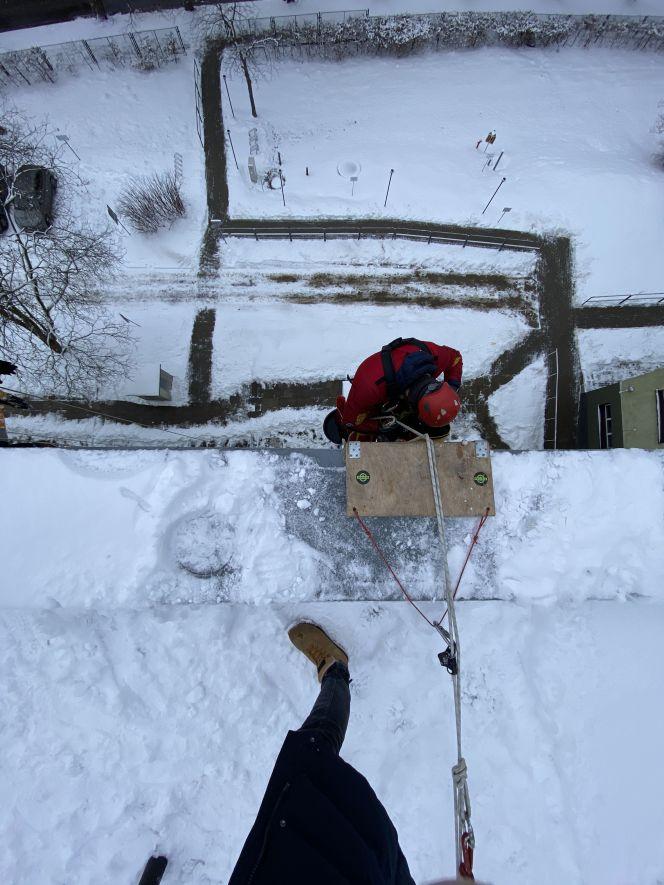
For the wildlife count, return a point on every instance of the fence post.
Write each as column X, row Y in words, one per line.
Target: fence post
column 89, row 51
column 133, row 42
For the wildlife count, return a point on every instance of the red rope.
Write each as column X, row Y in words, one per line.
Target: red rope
column 473, row 541
column 370, row 536
column 405, row 593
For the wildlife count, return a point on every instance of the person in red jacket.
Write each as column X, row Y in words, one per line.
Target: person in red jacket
column 400, row 381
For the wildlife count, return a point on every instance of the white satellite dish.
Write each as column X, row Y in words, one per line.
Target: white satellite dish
column 349, row 169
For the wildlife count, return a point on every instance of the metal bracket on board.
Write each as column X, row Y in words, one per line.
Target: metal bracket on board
column 481, row 449
column 354, row 449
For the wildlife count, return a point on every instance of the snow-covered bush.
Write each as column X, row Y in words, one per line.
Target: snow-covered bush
column 658, row 128
column 152, row 201
column 401, row 34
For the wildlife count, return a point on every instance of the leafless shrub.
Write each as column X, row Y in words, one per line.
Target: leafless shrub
column 152, row 201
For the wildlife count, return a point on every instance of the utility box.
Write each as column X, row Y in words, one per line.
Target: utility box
column 393, row 478
column 164, row 392
column 628, row 414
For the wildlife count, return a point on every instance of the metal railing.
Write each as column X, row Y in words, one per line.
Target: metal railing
column 619, row 300
column 145, row 50
column 551, row 412
column 200, row 128
column 317, row 229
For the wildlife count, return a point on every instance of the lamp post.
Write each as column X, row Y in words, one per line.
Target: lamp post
column 493, row 195
column 229, row 95
column 388, row 187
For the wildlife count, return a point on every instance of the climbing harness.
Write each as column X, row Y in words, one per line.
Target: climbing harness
column 389, row 374
column 450, row 659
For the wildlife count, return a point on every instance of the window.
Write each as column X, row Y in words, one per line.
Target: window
column 605, row 426
column 660, row 415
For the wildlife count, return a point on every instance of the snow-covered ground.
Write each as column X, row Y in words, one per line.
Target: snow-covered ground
column 518, row 407
column 610, row 355
column 136, row 722
column 575, row 161
column 311, row 342
column 288, row 427
column 120, row 544
column 378, row 257
column 161, row 334
column 124, row 123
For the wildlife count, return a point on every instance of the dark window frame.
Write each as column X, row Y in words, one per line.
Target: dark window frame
column 659, row 399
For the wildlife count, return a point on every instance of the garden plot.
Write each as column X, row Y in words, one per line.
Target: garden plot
column 611, row 355
column 574, row 161
column 311, row 342
column 124, row 123
column 376, row 271
column 381, row 256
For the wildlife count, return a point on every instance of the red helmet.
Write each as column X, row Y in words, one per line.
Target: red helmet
column 438, row 404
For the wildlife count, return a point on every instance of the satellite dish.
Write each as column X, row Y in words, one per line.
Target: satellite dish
column 349, row 169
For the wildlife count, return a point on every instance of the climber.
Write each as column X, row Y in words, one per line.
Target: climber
column 399, row 382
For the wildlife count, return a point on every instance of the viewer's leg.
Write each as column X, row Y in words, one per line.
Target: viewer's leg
column 329, row 715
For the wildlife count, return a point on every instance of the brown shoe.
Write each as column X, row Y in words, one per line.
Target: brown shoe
column 314, row 642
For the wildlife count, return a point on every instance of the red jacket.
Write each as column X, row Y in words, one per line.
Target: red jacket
column 368, row 392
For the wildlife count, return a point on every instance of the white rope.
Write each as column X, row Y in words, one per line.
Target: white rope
column 462, row 822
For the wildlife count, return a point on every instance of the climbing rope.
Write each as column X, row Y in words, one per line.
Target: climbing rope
column 450, row 659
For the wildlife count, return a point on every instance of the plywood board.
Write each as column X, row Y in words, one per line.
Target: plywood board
column 393, row 479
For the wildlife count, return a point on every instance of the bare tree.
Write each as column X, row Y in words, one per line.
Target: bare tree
column 245, row 51
column 53, row 323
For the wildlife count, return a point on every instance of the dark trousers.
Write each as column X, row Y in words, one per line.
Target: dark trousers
column 329, row 715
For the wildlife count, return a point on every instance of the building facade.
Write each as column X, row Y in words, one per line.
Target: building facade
column 628, row 414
